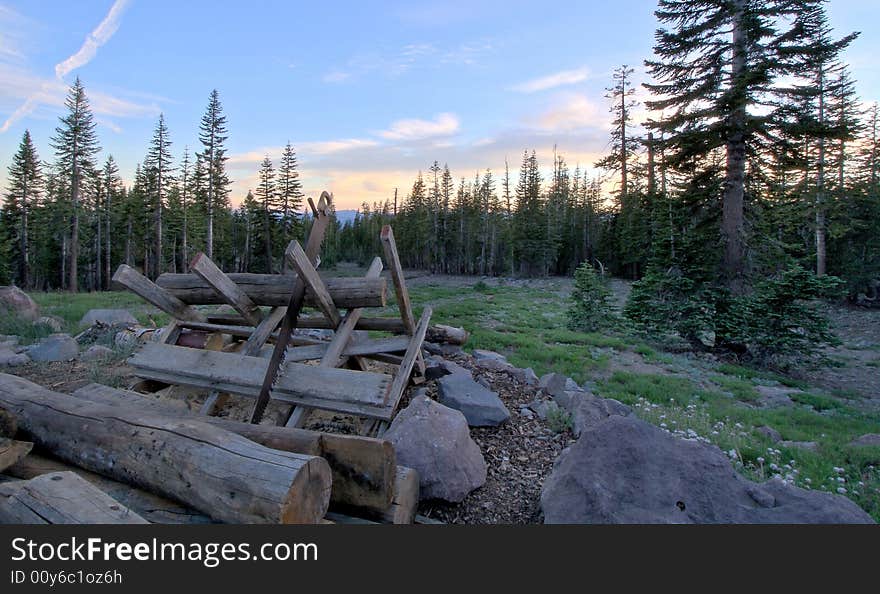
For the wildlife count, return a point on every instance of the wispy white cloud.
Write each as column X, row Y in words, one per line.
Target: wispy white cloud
column 51, row 92
column 552, row 81
column 336, row 76
column 98, row 37
column 444, row 124
column 572, row 112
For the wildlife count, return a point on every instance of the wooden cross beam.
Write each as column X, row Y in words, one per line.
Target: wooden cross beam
column 226, row 288
column 149, row 291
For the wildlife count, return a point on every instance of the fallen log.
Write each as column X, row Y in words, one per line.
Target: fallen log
column 217, row 472
column 61, row 498
column 364, row 469
column 153, row 508
column 12, row 451
column 275, row 289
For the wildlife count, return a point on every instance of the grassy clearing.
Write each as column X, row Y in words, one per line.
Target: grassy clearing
column 693, row 398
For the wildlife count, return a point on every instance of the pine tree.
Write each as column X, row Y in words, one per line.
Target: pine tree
column 714, row 61
column 112, row 187
column 76, row 145
column 290, row 196
column 25, row 185
column 267, row 194
column 159, row 165
column 212, row 135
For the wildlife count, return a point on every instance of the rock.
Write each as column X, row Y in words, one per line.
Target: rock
column 436, row 367
column 801, row 445
column 530, row 378
column 55, row 347
column 525, row 411
column 568, row 399
column 97, row 353
column 9, row 341
column 483, row 355
column 9, row 358
column 769, row 432
column 481, row 406
column 18, row 303
column 866, row 440
column 435, row 441
column 444, row 350
column 540, row 407
column 54, row 323
column 554, row 384
column 624, row 470
column 591, row 409
column 774, row 396
column 108, row 317
column 494, row 365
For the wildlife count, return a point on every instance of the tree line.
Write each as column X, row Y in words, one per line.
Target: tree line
column 758, row 155
column 68, row 223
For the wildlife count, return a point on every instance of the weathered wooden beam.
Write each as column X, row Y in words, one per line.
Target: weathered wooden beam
column 342, row 390
column 297, row 258
column 153, row 508
column 61, row 498
column 401, row 511
column 225, row 288
column 275, row 289
column 11, row 451
column 333, row 355
column 147, row 290
column 409, row 358
column 396, row 344
column 215, row 471
column 363, row 468
column 393, row 261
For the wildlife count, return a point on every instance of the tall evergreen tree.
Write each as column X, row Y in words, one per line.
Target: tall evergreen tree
column 76, row 144
column 267, row 195
column 213, row 135
column 24, row 188
column 160, row 168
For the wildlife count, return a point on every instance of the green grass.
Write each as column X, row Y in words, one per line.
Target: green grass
column 714, row 401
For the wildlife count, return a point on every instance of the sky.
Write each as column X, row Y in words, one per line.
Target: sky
column 368, row 93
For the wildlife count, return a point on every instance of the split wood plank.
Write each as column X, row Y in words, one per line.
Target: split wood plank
column 393, row 260
column 297, row 258
column 61, row 498
column 342, row 390
column 225, row 288
column 409, row 359
column 11, row 451
column 341, row 338
column 137, row 283
column 153, row 508
column 358, row 349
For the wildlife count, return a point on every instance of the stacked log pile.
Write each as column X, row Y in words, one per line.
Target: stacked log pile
column 113, row 456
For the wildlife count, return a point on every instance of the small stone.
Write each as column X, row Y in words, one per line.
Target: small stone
column 772, row 434
column 54, row 323
column 108, row 317
column 866, row 440
column 18, row 303
column 97, row 353
column 55, row 347
column 811, row 446
column 481, row 406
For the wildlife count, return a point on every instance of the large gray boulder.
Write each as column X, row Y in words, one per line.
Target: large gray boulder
column 589, row 409
column 481, row 406
column 435, row 441
column 14, row 301
column 624, row 470
column 108, row 317
column 55, row 347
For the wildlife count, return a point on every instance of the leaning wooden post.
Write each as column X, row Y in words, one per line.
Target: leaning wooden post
column 225, row 288
column 403, row 303
column 149, row 291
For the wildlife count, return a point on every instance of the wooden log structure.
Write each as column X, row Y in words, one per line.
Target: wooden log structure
column 363, row 468
column 275, row 289
column 153, row 508
column 217, row 472
column 61, row 498
column 355, row 392
column 402, row 509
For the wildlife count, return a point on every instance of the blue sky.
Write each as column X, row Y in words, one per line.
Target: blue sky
column 368, row 92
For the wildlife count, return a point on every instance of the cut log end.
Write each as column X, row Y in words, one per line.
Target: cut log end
column 309, row 495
